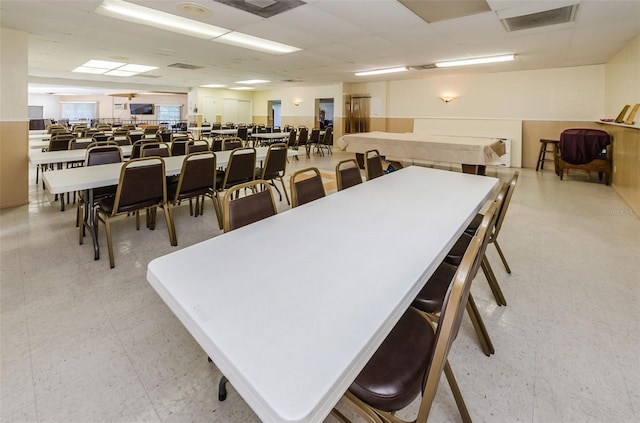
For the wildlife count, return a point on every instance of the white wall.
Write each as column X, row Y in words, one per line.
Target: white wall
column 13, row 75
column 575, row 93
column 50, row 104
column 623, row 79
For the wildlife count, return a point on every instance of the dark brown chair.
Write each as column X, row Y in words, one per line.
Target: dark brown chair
column 347, row 174
column 97, row 155
column 431, row 298
column 243, row 210
column 240, row 169
column 306, row 188
column 158, row 149
column 275, row 165
column 326, row 142
column 504, row 199
column 292, row 141
column 142, row 186
column 243, row 133
column 197, row 180
column 314, row 139
column 120, row 139
column 373, row 164
column 195, row 147
column 179, row 144
column 216, row 143
column 411, row 360
column 100, row 136
column 231, row 143
column 303, row 138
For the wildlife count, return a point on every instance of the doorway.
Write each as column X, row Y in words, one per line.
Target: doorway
column 357, row 108
column 274, row 107
column 324, row 113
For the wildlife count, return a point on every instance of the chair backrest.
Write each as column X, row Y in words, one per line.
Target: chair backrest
column 327, row 138
column 216, row 143
column 240, row 168
column 347, row 174
column 102, row 154
column 136, row 149
column 292, row 138
column 275, row 163
column 303, row 136
column 120, row 139
column 151, row 129
column 192, row 147
column 79, row 145
column 142, row 184
column 247, row 209
column 104, row 126
column 135, row 136
column 305, row 188
column 179, row 146
column 101, row 143
column 56, row 126
column 99, row 136
column 314, row 137
column 373, row 164
column 231, row 143
column 502, row 211
column 158, row 149
column 198, row 175
column 242, row 133
column 216, row 125
column 60, row 142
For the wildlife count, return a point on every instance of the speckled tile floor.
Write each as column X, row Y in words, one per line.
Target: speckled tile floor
column 84, row 343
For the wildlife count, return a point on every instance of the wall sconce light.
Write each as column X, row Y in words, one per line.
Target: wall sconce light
column 447, row 99
column 297, row 102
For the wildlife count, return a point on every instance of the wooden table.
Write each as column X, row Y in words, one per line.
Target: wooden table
column 90, row 177
column 292, row 335
column 474, row 154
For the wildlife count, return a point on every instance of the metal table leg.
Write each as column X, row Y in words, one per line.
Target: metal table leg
column 90, row 221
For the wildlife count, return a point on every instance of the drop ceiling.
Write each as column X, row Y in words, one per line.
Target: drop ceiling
column 337, row 38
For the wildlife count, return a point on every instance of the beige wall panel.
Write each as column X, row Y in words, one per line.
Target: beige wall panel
column 378, row 124
column 623, row 79
column 399, row 125
column 626, row 164
column 535, row 130
column 14, row 162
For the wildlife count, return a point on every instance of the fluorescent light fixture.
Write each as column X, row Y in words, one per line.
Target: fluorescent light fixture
column 213, row 86
column 382, row 71
column 130, row 12
column 85, row 69
column 118, row 72
column 239, row 39
column 252, row 81
column 103, row 67
column 241, row 88
column 139, row 14
column 136, row 68
column 477, row 61
column 103, row 64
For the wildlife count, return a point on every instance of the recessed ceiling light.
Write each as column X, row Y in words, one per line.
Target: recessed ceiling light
column 477, row 61
column 382, row 71
column 118, row 72
column 130, row 12
column 137, row 68
column 85, row 69
column 252, row 81
column 213, row 86
column 103, row 67
column 242, row 88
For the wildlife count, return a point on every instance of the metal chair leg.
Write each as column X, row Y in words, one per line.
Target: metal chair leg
column 222, row 388
column 504, row 260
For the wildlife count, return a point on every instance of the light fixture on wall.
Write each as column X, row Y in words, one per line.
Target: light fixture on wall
column 447, row 98
column 297, row 102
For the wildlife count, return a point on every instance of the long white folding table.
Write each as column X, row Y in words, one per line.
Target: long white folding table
column 90, row 177
column 270, row 136
column 224, row 131
column 63, row 156
column 473, row 153
column 290, row 334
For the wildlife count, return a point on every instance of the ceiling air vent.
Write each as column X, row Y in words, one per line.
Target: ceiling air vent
column 184, row 66
column 292, row 80
column 536, row 20
column 263, row 8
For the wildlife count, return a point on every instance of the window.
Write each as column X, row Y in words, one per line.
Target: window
column 75, row 111
column 167, row 113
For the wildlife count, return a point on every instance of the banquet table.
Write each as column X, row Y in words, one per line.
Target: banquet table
column 291, row 336
column 90, row 177
column 467, row 151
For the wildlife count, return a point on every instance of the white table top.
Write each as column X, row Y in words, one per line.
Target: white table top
column 270, row 135
column 292, row 335
column 224, row 131
column 81, row 178
column 417, row 146
column 37, row 157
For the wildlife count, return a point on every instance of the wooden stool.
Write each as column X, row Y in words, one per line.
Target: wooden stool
column 543, row 151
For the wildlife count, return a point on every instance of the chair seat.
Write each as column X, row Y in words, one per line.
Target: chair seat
column 431, row 297
column 474, row 225
column 393, row 377
column 106, row 204
column 454, row 256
